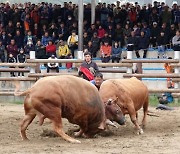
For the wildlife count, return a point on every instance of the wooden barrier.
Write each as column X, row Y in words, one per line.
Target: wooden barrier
column 6, row 93
column 17, row 79
column 112, row 71
column 54, row 61
column 14, row 70
column 176, row 80
column 164, row 90
column 37, row 75
column 169, row 75
column 150, row 61
column 176, row 95
column 17, row 64
column 175, row 65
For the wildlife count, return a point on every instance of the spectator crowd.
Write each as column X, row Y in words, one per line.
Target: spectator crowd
column 51, row 29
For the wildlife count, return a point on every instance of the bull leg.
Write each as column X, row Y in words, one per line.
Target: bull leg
column 145, row 110
column 25, row 123
column 133, row 115
column 58, row 128
column 79, row 133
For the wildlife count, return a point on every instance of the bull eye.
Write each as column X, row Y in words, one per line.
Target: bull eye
column 117, row 111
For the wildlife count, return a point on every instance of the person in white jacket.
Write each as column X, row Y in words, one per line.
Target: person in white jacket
column 176, row 41
column 72, row 42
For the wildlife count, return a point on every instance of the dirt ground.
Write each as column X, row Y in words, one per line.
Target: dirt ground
column 161, row 136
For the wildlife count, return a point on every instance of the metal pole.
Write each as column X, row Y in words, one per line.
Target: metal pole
column 93, row 6
column 80, row 29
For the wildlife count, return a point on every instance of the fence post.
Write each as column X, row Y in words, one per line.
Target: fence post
column 129, row 56
column 32, row 56
column 176, row 71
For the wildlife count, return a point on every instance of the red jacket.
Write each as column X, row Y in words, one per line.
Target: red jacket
column 101, row 33
column 51, row 48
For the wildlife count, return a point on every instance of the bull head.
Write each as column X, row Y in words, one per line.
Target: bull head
column 114, row 112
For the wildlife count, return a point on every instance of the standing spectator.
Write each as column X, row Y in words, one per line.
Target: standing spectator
column 45, row 39
column 11, row 59
column 143, row 44
column 95, row 43
column 50, row 49
column 16, row 16
column 40, row 50
column 2, row 52
column 10, row 30
column 21, row 58
column 104, row 14
column 12, row 48
column 176, row 41
column 166, row 15
column 161, row 41
column 116, row 52
column 118, row 34
column 52, row 66
column 35, row 15
column 73, row 42
column 53, row 30
column 88, row 68
column 19, row 39
column 126, row 33
column 105, row 51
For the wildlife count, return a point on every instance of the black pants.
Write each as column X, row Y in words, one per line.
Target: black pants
column 105, row 59
column 144, row 55
column 2, row 57
column 117, row 59
column 51, row 68
column 73, row 48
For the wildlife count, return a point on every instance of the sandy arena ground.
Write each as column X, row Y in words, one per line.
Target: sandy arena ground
column 161, row 136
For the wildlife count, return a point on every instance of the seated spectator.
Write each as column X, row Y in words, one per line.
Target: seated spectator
column 40, row 50
column 5, row 38
column 105, row 51
column 12, row 48
column 176, row 41
column 155, row 30
column 2, row 52
column 116, row 52
column 90, row 48
column 63, row 32
column 19, row 39
column 106, row 38
column 21, row 58
column 50, row 49
column 161, row 41
column 143, row 44
column 98, row 79
column 11, row 59
column 29, row 47
column 86, row 39
column 73, row 42
column 132, row 43
column 167, row 97
column 118, row 34
column 45, row 39
column 100, row 32
column 88, row 68
column 52, row 66
column 29, row 37
column 63, row 50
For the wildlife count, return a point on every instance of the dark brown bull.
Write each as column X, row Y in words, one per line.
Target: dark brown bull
column 129, row 94
column 58, row 97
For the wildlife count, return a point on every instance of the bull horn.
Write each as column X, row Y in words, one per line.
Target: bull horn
column 108, row 122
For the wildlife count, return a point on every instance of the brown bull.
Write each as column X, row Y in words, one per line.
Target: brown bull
column 58, row 97
column 129, row 94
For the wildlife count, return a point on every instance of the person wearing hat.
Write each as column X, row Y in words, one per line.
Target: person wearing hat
column 52, row 66
column 155, row 30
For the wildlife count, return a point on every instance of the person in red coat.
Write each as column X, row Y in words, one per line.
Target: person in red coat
column 50, row 49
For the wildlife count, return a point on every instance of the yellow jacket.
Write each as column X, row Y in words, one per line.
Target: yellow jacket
column 63, row 50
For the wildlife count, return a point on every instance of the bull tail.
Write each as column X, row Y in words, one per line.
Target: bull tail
column 17, row 90
column 145, row 109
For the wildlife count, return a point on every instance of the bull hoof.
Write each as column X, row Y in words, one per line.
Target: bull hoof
column 77, row 134
column 140, row 131
column 75, row 141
